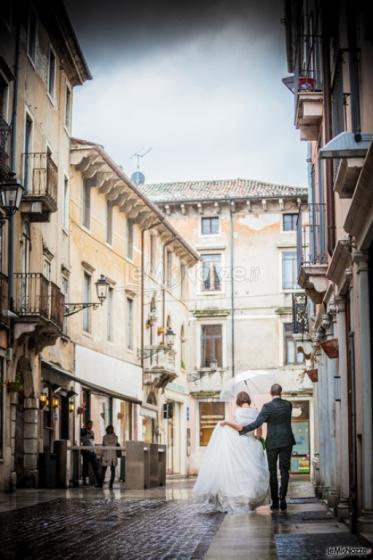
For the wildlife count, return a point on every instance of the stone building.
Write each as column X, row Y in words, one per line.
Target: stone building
column 330, row 58
column 127, row 343
column 240, row 297
column 40, row 64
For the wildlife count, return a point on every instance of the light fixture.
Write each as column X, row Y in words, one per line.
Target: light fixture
column 11, row 192
column 102, row 286
column 346, row 145
column 55, row 402
column 170, row 337
column 43, row 399
column 71, row 406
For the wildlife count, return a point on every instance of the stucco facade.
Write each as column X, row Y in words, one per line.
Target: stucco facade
column 238, row 297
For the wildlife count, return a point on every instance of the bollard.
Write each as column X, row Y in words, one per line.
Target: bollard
column 60, row 450
column 135, row 465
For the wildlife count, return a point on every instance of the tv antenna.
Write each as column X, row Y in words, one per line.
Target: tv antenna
column 139, row 156
column 138, row 177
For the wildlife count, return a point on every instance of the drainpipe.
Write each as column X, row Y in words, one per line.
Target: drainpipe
column 164, row 286
column 232, row 285
column 13, row 164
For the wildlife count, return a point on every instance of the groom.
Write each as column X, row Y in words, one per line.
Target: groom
column 279, row 442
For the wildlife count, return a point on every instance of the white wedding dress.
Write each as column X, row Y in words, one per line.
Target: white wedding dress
column 234, row 473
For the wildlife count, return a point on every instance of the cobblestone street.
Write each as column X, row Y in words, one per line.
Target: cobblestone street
column 161, row 524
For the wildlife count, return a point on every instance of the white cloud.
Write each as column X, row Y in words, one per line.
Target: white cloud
column 210, row 107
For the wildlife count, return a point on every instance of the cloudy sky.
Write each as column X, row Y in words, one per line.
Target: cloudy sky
column 198, row 84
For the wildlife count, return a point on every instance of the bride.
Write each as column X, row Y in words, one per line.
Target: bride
column 234, row 474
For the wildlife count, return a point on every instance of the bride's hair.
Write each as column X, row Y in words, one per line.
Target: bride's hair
column 243, row 398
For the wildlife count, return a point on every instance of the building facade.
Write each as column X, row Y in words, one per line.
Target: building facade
column 240, row 297
column 330, row 58
column 128, row 342
column 40, row 64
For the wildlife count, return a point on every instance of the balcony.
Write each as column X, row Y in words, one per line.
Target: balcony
column 39, row 302
column 347, row 175
column 5, row 130
column 41, row 186
column 311, row 251
column 159, row 366
column 4, row 318
column 308, row 114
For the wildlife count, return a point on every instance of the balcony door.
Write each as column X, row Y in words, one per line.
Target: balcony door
column 25, row 267
column 27, row 151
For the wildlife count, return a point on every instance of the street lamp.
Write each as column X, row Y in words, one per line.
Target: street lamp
column 170, row 337
column 102, row 286
column 11, row 192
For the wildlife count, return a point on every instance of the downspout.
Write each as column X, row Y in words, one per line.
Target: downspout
column 164, row 286
column 328, row 132
column 13, row 164
column 143, row 290
column 232, row 286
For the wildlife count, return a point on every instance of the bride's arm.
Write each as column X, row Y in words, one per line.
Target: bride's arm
column 233, row 425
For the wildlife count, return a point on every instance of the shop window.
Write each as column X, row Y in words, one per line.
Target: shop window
column 210, row 413
column 300, row 421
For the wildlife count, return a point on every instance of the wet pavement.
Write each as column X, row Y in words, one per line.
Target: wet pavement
column 163, row 523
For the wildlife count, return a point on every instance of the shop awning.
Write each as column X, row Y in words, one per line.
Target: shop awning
column 51, row 372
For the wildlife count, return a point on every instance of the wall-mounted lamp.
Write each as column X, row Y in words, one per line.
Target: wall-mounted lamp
column 55, row 402
column 71, row 406
column 102, row 287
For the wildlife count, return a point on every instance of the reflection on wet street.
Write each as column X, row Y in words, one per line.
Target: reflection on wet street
column 162, row 523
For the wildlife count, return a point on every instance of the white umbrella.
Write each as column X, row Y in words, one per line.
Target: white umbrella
column 254, row 381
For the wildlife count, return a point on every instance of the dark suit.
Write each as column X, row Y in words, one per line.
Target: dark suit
column 279, row 442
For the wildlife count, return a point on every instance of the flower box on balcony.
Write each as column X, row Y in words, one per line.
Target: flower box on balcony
column 313, row 374
column 330, row 347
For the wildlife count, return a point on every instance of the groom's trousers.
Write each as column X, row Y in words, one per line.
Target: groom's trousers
column 283, row 454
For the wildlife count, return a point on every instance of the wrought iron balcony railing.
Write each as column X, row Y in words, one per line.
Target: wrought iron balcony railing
column 159, row 358
column 300, row 315
column 38, row 298
column 40, row 176
column 311, row 236
column 4, row 319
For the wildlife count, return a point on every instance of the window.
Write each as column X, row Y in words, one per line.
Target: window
column 110, row 311
column 130, row 239
column 66, row 204
column 211, row 272
column 129, row 324
column 291, row 354
column 3, row 97
column 27, row 151
column 87, row 280
column 210, row 413
column 51, row 73
column 68, row 107
column 47, row 267
column 86, row 204
column 109, row 222
column 289, row 270
column 153, row 248
column 31, row 35
column 65, row 287
column 169, row 268
column 211, row 345
column 182, row 347
column 210, row 226
column 183, row 280
column 289, row 222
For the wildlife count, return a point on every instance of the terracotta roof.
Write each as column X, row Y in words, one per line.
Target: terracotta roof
column 219, row 189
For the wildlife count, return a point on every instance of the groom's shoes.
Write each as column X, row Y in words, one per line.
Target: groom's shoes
column 283, row 504
column 274, row 506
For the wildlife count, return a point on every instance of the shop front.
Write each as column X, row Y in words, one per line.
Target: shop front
column 300, row 460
